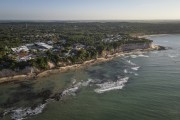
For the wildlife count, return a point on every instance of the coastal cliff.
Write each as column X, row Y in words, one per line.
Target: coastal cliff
column 28, row 72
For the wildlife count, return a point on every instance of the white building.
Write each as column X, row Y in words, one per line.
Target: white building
column 78, row 46
column 25, row 58
column 19, row 49
column 44, row 45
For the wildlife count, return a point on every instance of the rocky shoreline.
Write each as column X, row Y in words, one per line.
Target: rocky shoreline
column 74, row 88
column 38, row 74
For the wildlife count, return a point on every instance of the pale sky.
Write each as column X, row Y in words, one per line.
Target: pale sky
column 89, row 9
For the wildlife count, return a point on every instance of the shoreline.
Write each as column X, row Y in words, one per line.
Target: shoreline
column 152, row 35
column 74, row 66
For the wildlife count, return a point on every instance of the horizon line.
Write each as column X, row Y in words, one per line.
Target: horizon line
column 103, row 20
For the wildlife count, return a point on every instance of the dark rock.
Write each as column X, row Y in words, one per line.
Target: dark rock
column 45, row 94
column 1, row 114
column 57, row 96
column 161, row 48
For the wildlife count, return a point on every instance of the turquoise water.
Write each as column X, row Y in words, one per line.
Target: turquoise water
column 152, row 91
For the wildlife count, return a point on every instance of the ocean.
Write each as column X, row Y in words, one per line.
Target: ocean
column 142, row 86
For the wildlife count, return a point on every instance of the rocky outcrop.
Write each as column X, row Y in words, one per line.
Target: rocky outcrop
column 129, row 47
column 51, row 65
column 26, row 71
column 157, row 47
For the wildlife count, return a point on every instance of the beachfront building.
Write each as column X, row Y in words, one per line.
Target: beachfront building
column 43, row 46
column 112, row 38
column 24, row 58
column 19, row 49
column 62, row 41
column 78, row 46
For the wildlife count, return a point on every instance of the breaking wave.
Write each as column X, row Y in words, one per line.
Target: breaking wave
column 141, row 55
column 23, row 113
column 136, row 74
column 108, row 86
column 72, row 90
column 125, row 71
column 131, row 63
column 172, row 56
column 133, row 56
column 135, row 68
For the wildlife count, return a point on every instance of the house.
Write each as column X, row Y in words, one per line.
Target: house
column 25, row 58
column 43, row 46
column 50, row 42
column 78, row 46
column 19, row 49
column 112, row 38
column 29, row 45
column 67, row 54
column 63, row 41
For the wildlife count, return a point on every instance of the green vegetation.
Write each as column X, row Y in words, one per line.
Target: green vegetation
column 15, row 34
column 93, row 38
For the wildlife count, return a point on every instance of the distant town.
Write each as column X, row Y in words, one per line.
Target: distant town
column 34, row 44
column 34, row 50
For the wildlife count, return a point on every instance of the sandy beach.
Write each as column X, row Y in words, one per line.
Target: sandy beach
column 153, row 35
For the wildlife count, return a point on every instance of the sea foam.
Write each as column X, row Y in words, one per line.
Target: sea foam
column 135, row 68
column 133, row 56
column 125, row 71
column 20, row 113
column 131, row 63
column 141, row 55
column 72, row 90
column 173, row 56
column 108, row 86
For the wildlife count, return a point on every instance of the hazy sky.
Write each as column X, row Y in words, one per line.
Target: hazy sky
column 89, row 9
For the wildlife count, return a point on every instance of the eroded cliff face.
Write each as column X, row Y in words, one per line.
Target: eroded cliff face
column 32, row 71
column 7, row 72
column 130, row 47
column 29, row 71
column 26, row 71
